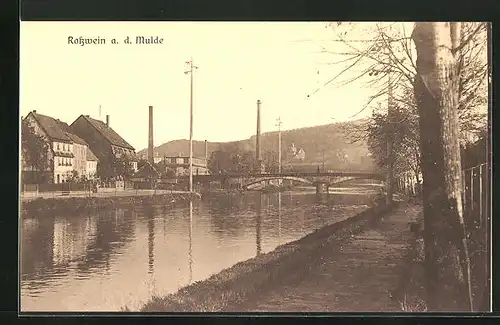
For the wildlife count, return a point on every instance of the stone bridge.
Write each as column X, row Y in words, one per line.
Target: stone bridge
column 321, row 180
column 248, row 182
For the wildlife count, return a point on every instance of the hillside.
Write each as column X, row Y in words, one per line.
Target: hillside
column 329, row 140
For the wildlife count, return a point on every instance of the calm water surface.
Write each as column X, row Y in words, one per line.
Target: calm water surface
column 108, row 260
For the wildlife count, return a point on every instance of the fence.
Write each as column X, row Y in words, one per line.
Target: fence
column 476, row 195
column 476, row 182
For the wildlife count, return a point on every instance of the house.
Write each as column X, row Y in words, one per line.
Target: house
column 146, row 176
column 68, row 152
column 180, row 165
column 147, row 172
column 60, row 155
column 104, row 142
column 295, row 154
column 79, row 150
column 301, row 155
column 91, row 164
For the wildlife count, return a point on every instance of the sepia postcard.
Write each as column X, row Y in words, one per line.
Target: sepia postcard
column 255, row 167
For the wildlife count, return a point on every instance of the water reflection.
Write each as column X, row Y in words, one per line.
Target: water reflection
column 279, row 217
column 258, row 224
column 66, row 260
column 190, row 258
column 151, row 241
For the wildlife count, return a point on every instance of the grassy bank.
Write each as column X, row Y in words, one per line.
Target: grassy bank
column 225, row 290
column 411, row 292
column 76, row 205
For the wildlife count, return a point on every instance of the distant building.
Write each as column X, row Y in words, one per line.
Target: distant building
column 180, row 165
column 301, row 155
column 103, row 141
column 296, row 154
column 157, row 159
column 147, row 172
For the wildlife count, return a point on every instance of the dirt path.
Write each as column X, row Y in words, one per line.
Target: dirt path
column 357, row 276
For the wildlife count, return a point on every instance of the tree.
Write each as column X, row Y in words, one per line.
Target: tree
column 447, row 72
column 169, row 172
column 437, row 94
column 220, row 162
column 141, row 163
column 123, row 167
column 271, row 161
column 386, row 60
column 72, row 177
column 403, row 124
column 231, row 159
column 35, row 150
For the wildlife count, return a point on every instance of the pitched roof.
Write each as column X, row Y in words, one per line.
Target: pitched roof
column 90, row 155
column 72, row 136
column 113, row 137
column 147, row 170
column 52, row 127
column 56, row 129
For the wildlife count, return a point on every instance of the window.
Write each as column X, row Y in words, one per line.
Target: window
column 186, row 160
column 58, row 178
column 58, row 148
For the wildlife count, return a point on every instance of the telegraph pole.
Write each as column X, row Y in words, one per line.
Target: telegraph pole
column 278, row 124
column 191, row 72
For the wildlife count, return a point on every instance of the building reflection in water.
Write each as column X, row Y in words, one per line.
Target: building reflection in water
column 190, row 241
column 71, row 238
column 259, row 224
column 151, row 241
column 279, row 218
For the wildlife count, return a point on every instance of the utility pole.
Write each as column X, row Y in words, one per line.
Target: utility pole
column 278, row 124
column 191, row 72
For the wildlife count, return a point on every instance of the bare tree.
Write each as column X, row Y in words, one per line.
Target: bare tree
column 388, row 50
column 453, row 58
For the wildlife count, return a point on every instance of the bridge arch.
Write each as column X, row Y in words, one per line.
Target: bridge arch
column 270, row 178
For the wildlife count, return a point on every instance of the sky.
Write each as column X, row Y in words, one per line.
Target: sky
column 239, row 63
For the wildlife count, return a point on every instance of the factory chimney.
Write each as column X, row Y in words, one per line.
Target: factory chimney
column 150, row 138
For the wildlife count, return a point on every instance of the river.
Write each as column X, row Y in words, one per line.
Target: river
column 105, row 261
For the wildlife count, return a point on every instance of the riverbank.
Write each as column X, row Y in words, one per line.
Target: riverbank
column 360, row 274
column 238, row 283
column 76, row 205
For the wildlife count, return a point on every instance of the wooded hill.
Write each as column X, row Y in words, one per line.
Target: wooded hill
column 330, row 140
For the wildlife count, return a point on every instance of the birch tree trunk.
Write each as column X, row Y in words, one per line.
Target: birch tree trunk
column 436, row 92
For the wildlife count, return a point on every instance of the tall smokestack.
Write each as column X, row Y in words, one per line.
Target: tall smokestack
column 257, row 138
column 150, row 138
column 107, row 120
